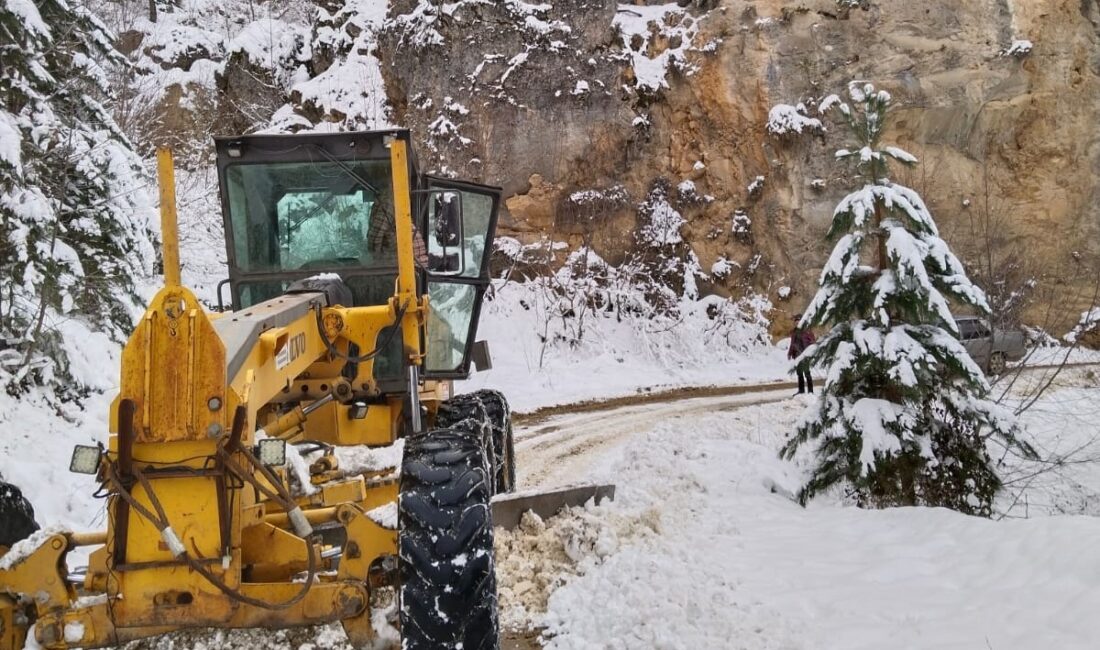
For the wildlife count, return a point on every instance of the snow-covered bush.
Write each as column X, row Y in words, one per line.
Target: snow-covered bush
column 73, row 206
column 741, row 225
column 654, row 290
column 756, row 187
column 688, row 194
column 786, row 120
column 1084, row 331
column 1018, row 48
column 660, row 222
column 722, row 268
column 903, row 418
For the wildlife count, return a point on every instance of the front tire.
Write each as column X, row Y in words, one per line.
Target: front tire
column 490, row 408
column 448, row 585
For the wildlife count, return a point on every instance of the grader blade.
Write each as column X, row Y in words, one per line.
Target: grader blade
column 508, row 509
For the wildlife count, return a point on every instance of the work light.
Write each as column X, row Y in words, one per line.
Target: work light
column 271, row 452
column 85, row 460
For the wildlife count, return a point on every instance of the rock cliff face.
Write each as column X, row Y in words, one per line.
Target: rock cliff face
column 569, row 99
column 548, row 100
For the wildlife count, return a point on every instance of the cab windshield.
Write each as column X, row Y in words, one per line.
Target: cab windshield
column 311, row 215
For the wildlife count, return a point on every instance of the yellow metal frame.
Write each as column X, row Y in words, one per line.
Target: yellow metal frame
column 174, row 373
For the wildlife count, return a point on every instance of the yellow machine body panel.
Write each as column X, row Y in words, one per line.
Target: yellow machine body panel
column 172, row 367
column 200, row 532
column 335, row 425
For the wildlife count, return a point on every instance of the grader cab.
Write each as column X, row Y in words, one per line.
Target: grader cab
column 240, row 485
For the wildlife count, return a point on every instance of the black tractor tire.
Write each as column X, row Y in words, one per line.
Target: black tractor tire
column 16, row 515
column 448, row 584
column 491, row 407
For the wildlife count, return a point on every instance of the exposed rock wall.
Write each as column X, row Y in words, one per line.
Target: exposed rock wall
column 568, row 95
column 551, row 101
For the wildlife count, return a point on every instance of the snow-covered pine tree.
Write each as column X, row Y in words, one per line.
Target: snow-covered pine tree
column 73, row 203
column 902, row 419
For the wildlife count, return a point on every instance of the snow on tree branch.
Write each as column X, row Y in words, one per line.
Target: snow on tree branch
column 903, row 418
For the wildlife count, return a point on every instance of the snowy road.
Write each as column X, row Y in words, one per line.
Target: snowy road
column 570, row 448
column 703, row 549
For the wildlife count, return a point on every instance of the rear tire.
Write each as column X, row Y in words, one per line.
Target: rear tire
column 448, row 585
column 996, row 363
column 16, row 516
column 491, row 408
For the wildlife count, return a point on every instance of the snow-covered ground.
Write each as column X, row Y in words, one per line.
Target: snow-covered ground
column 614, row 358
column 703, row 547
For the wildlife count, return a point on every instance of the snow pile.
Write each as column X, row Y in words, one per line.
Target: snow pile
column 1064, row 426
column 732, row 558
column 36, row 447
column 538, row 557
column 784, row 119
column 362, row 460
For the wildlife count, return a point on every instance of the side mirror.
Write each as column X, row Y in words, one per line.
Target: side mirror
column 446, row 235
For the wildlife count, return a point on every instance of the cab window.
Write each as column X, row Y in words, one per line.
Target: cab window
column 302, row 216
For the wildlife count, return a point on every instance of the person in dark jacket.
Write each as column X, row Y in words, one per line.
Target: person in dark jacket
column 800, row 340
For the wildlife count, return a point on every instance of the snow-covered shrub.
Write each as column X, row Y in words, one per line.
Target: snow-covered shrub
column 73, row 206
column 1018, row 48
column 903, row 418
column 739, row 323
column 722, row 268
column 593, row 203
column 660, row 222
column 786, row 120
column 583, row 211
column 741, row 226
column 1085, row 332
column 756, row 187
column 687, row 194
column 587, row 297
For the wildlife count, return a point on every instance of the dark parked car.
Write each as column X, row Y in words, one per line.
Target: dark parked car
column 990, row 348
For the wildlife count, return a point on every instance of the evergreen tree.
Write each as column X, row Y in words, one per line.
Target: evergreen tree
column 73, row 204
column 902, row 419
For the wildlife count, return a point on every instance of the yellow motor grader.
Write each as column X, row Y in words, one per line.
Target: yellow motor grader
column 356, row 286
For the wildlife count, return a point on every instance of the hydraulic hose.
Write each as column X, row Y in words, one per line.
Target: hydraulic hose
column 333, row 350
column 160, row 521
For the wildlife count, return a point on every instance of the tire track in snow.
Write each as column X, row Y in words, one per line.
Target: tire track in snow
column 563, row 449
